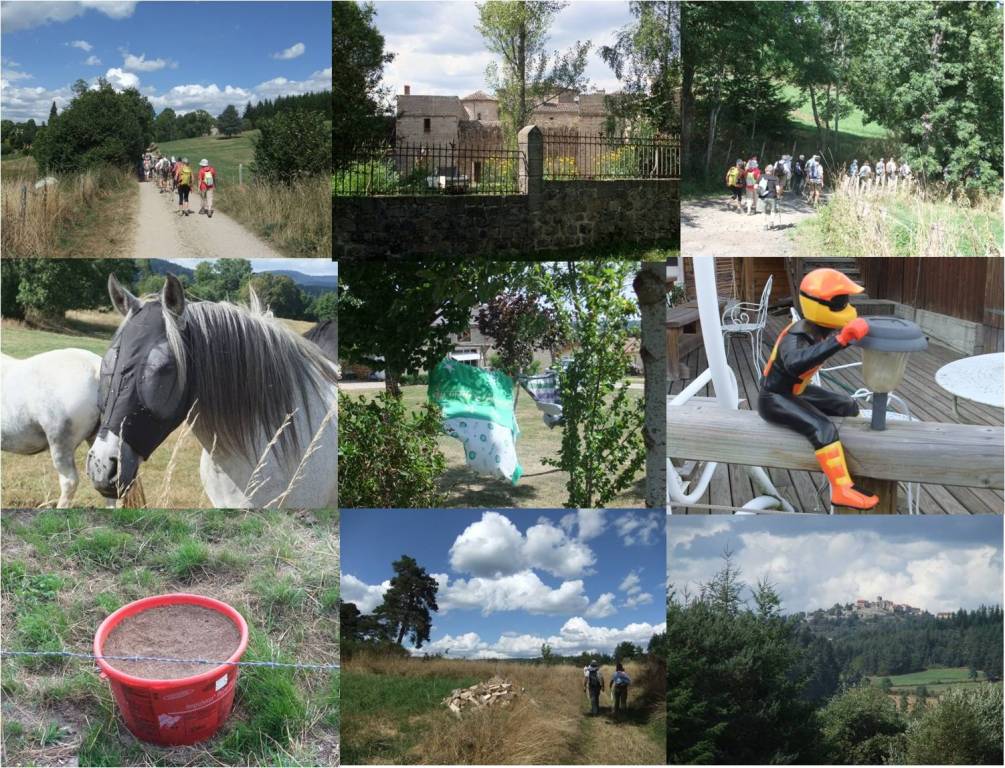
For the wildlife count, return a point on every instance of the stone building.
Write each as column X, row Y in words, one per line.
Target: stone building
column 430, row 120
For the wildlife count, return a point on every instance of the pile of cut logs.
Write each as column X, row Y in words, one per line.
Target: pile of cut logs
column 496, row 692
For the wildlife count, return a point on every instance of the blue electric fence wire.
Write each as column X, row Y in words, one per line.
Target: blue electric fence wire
column 72, row 655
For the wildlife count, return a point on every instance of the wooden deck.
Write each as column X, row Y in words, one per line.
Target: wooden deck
column 731, row 485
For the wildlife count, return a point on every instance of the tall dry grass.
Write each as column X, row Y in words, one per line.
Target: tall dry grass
column 296, row 218
column 906, row 219
column 35, row 220
column 545, row 724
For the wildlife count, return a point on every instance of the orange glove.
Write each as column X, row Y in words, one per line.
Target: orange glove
column 854, row 331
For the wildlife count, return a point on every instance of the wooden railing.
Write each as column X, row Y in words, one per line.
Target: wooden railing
column 908, row 452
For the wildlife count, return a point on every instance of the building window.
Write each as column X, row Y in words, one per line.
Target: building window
column 426, row 128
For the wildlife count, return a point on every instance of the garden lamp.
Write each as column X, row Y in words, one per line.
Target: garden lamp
column 884, row 357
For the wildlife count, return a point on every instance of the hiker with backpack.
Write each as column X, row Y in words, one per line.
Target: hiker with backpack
column 735, row 181
column 891, row 173
column 815, row 180
column 753, row 175
column 619, row 688
column 183, row 177
column 798, row 174
column 593, row 684
column 207, row 183
column 768, row 190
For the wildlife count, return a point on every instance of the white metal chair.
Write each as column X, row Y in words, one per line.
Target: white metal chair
column 750, row 319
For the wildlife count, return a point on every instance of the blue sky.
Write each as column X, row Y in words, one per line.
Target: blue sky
column 938, row 563
column 307, row 266
column 514, row 579
column 183, row 55
column 438, row 50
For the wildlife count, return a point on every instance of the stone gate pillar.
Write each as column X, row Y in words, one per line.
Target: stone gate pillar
column 531, row 144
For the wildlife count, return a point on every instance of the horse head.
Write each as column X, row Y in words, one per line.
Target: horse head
column 146, row 387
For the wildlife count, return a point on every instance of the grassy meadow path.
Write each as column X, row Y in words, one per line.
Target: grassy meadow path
column 711, row 226
column 162, row 233
column 626, row 739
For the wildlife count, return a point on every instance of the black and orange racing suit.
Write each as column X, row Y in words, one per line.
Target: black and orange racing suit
column 788, row 399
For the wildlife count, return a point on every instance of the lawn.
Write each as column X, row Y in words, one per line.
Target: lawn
column 933, row 679
column 64, row 572
column 223, row 154
column 394, row 713
column 852, row 124
column 540, row 486
column 170, row 477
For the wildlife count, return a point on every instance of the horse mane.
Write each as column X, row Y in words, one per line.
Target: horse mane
column 324, row 335
column 250, row 372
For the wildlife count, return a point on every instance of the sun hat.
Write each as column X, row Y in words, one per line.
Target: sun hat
column 204, row 161
column 184, row 159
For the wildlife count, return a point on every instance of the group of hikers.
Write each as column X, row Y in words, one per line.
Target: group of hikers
column 176, row 176
column 885, row 174
column 593, row 685
column 755, row 190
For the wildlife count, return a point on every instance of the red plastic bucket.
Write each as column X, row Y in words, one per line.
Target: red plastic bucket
column 173, row 712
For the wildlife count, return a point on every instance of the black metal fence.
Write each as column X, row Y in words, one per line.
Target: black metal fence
column 419, row 169
column 611, row 157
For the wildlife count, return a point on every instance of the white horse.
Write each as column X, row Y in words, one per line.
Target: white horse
column 260, row 400
column 50, row 401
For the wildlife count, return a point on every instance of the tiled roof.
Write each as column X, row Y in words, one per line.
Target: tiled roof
column 478, row 96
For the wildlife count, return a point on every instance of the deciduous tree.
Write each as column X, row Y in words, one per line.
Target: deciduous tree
column 528, row 74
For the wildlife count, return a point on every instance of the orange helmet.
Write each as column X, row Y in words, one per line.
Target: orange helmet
column 824, row 295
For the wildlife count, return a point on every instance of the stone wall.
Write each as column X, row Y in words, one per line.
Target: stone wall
column 545, row 216
column 564, row 214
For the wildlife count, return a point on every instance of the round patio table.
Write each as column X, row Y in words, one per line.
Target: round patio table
column 979, row 379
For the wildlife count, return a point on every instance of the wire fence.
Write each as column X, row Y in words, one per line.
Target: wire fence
column 610, row 157
column 91, row 656
column 426, row 169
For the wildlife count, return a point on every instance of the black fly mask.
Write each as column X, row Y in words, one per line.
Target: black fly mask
column 141, row 395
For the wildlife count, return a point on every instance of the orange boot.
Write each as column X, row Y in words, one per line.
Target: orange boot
column 843, row 493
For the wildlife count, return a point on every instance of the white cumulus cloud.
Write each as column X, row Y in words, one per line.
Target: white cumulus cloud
column 295, row 50
column 639, row 527
column 321, row 80
column 81, row 44
column 366, row 597
column 585, row 524
column 602, row 607
column 25, row 15
column 92, row 61
column 212, row 98
column 494, row 546
column 120, row 79
column 523, row 591
column 142, row 64
column 576, row 636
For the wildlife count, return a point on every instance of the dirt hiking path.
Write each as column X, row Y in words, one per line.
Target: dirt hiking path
column 161, row 233
column 625, row 739
column 711, row 226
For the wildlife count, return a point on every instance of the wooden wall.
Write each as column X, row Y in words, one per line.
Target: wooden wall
column 744, row 279
column 967, row 288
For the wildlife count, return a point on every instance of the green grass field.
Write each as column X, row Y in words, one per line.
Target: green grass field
column 170, row 477
column 64, row 572
column 936, row 679
column 223, row 154
column 852, row 125
column 540, row 486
